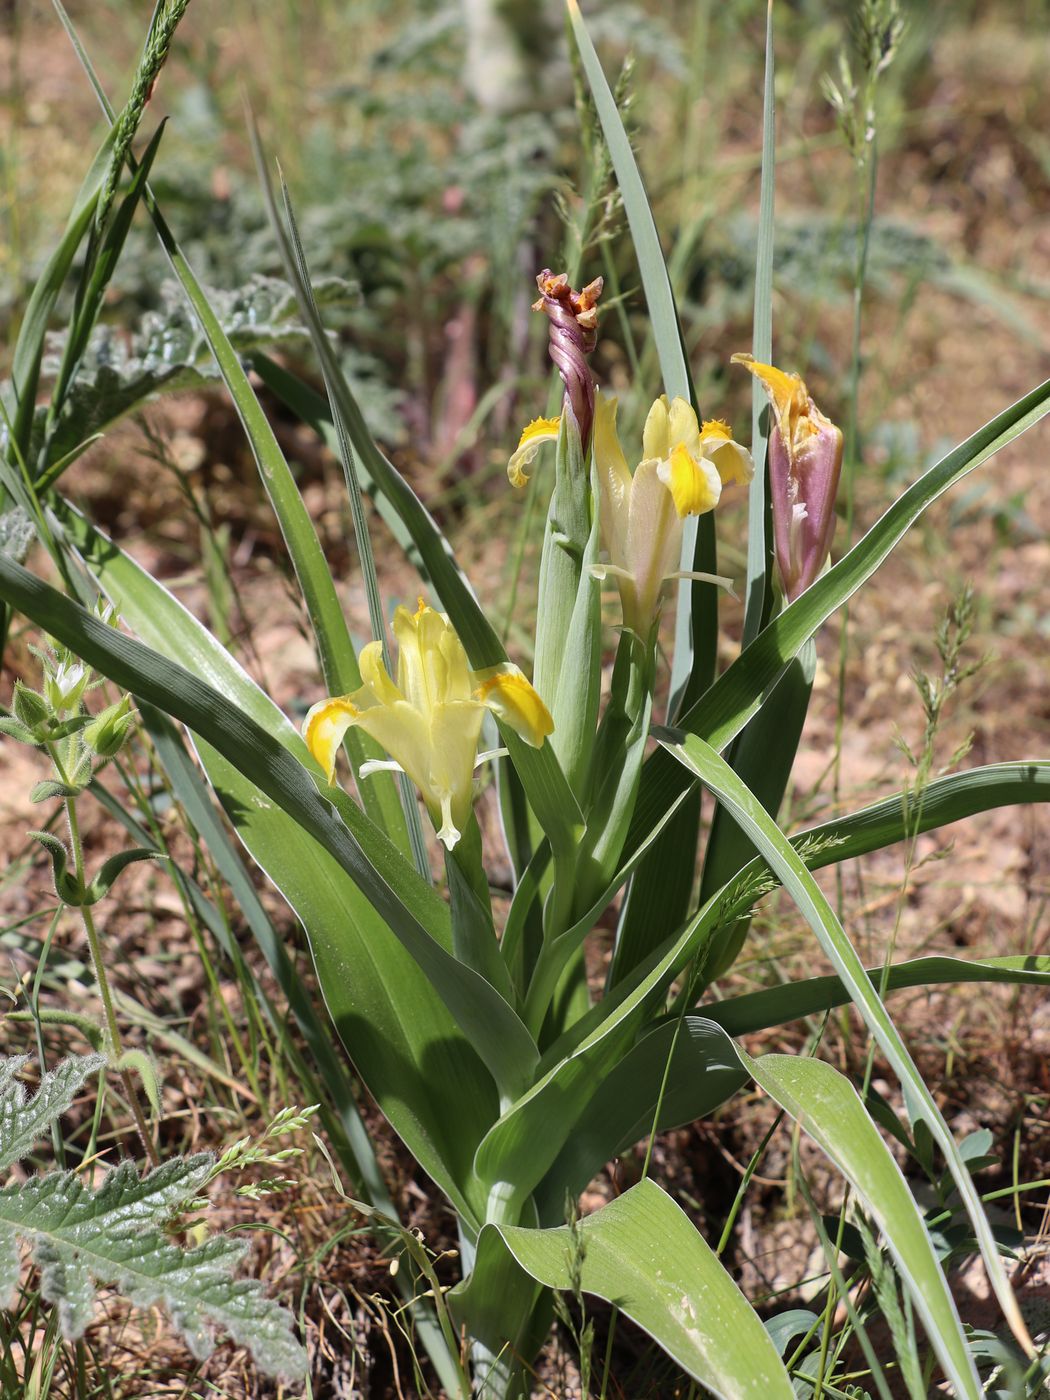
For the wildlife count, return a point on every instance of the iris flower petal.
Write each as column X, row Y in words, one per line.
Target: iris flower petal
column 533, row 436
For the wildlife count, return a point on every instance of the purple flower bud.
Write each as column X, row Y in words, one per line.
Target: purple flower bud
column 805, row 458
column 573, row 329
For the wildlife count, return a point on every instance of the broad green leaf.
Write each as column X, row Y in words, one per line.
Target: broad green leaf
column 397, row 1027
column 828, row 1109
column 333, row 1086
column 529, row 887
column 507, row 1314
column 642, row 1253
column 392, row 888
column 686, row 1065
column 192, row 791
column 660, row 895
column 702, row 761
column 522, row 1146
column 775, row 1006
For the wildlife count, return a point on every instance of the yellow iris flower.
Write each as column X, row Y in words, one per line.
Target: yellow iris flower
column 684, row 467
column 430, row 720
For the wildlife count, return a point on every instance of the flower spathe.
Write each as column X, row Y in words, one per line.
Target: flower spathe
column 683, row 470
column 805, row 458
column 430, row 720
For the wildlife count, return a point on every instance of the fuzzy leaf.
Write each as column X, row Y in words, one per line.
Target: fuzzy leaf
column 67, row 887
column 32, row 709
column 110, row 869
column 15, row 729
column 17, row 533
column 80, row 1236
column 21, row 1123
column 51, row 788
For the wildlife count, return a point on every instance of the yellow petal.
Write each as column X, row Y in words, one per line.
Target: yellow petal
column 453, row 745
column 654, row 540
column 324, row 727
column 614, row 478
column 539, row 431
column 695, row 486
column 375, row 675
column 733, row 461
column 682, row 426
column 787, row 393
column 423, row 672
column 656, row 435
column 510, row 697
column 458, row 682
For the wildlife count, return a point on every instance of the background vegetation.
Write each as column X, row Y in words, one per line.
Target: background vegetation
column 428, row 197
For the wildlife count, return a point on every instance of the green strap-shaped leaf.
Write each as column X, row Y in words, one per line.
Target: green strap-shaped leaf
column 775, row 1006
column 828, row 1109
column 687, row 1066
column 704, row 763
column 642, row 1253
column 763, row 754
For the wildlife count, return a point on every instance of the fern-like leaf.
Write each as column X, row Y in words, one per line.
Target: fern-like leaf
column 113, row 1234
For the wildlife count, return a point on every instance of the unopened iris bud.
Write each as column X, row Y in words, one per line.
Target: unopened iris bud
column 105, row 735
column 573, row 320
column 805, row 458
